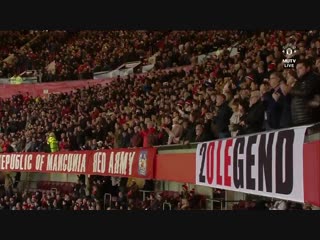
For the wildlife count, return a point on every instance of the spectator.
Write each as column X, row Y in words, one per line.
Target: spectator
column 176, row 132
column 133, row 192
column 276, row 101
column 149, row 137
column 201, row 135
column 53, row 143
column 136, row 139
column 304, row 107
column 8, row 185
column 17, row 179
column 253, row 121
column 222, row 118
column 235, row 118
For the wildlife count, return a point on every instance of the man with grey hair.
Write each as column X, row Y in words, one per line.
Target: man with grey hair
column 253, row 121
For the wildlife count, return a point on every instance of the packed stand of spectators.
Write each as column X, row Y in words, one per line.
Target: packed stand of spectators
column 222, row 97
column 124, row 46
column 154, row 201
column 11, row 42
column 180, row 48
column 35, row 53
column 91, row 51
column 77, row 55
column 123, row 197
column 39, row 53
column 48, row 200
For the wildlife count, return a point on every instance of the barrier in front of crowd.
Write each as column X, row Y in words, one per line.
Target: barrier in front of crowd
column 280, row 164
column 116, row 162
column 43, row 89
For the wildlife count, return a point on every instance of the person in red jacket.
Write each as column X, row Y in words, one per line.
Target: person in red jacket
column 148, row 135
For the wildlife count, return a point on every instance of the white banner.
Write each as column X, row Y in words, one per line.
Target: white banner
column 268, row 164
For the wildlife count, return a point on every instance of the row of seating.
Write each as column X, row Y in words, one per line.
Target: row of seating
column 62, row 187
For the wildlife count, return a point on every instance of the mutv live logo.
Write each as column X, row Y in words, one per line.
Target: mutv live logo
column 289, row 62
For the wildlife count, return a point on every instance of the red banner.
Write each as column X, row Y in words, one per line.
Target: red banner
column 120, row 162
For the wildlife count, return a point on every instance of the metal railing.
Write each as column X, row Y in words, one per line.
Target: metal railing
column 312, row 133
column 166, row 204
column 211, row 201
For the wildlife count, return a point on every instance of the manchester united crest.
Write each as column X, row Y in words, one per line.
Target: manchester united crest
column 142, row 170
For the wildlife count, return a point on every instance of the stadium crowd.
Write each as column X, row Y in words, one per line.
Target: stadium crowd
column 76, row 55
column 224, row 95
column 127, row 198
column 121, row 197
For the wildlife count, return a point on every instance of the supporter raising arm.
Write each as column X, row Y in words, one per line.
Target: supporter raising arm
column 175, row 133
column 149, row 136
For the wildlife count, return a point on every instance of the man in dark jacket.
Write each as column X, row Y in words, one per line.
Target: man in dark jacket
column 222, row 119
column 253, row 122
column 277, row 108
column 303, row 109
